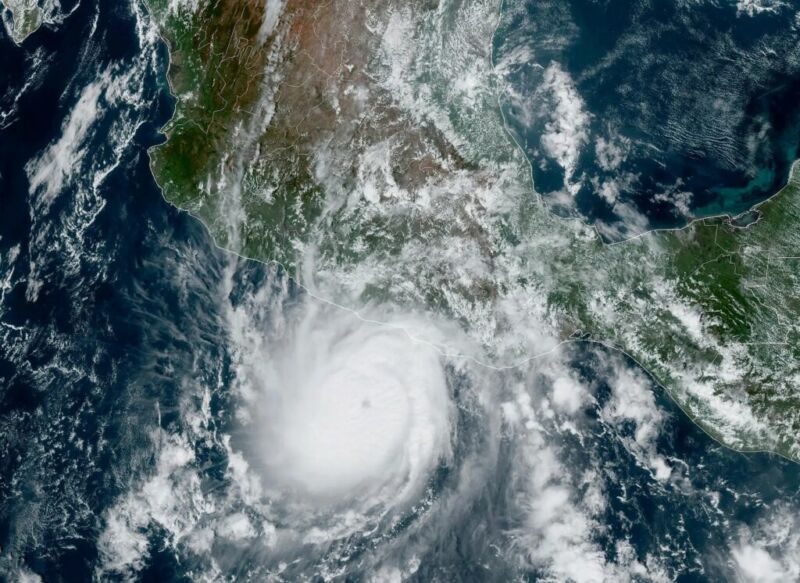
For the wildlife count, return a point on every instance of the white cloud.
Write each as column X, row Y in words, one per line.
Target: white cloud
column 563, row 505
column 769, row 551
column 567, row 131
column 757, row 566
column 169, row 498
column 632, row 400
column 611, row 152
column 755, row 7
column 48, row 172
column 236, row 527
column 568, row 394
column 631, row 221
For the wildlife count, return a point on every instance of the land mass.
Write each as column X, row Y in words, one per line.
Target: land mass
column 21, row 18
column 362, row 147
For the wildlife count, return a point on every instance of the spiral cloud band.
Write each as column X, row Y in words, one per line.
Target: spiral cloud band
column 343, row 408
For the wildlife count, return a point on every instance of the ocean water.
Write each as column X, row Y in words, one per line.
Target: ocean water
column 641, row 115
column 104, row 309
column 125, row 452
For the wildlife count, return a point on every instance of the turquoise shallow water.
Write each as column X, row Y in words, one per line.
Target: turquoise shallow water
column 653, row 112
column 113, row 326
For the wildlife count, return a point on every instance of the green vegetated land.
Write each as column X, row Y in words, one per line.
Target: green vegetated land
column 711, row 310
column 751, row 287
column 24, row 17
column 219, row 72
column 743, row 286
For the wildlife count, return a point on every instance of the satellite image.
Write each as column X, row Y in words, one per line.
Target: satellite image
column 400, row 290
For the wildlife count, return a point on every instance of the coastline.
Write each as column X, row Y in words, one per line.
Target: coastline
column 696, row 222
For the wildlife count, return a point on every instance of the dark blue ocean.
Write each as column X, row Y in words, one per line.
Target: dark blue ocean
column 110, row 315
column 641, row 115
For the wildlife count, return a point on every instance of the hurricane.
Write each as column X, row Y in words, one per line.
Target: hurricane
column 341, row 408
column 371, row 292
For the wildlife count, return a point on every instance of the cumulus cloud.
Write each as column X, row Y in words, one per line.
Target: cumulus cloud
column 632, row 401
column 567, row 132
column 756, row 7
column 769, row 551
column 563, row 505
column 568, row 394
column 757, row 565
column 611, row 152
